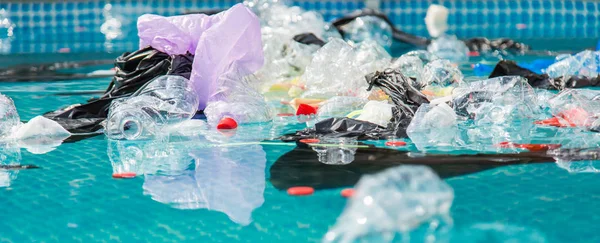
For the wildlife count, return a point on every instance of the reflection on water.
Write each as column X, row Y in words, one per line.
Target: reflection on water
column 9, row 155
column 193, row 175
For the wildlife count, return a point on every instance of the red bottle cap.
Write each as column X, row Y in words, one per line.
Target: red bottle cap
column 304, row 109
column 300, row 191
column 227, row 123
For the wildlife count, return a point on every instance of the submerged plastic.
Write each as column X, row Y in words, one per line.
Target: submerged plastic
column 396, row 200
column 218, row 42
column 166, row 100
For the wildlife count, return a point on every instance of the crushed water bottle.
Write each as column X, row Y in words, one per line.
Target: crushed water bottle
column 368, row 28
column 450, row 48
column 166, row 100
column 411, row 64
column 396, row 200
column 9, row 118
column 440, row 73
column 237, row 98
column 433, row 126
column 585, row 63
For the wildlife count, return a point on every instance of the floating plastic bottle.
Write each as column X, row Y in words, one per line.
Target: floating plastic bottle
column 166, row 100
column 450, row 48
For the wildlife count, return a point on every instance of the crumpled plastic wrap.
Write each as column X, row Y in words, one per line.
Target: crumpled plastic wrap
column 340, row 106
column 440, row 73
column 338, row 69
column 218, row 42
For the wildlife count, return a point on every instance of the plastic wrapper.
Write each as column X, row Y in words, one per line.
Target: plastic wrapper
column 450, row 48
column 166, row 100
column 433, row 126
column 440, row 73
column 396, row 200
column 218, row 42
column 337, row 69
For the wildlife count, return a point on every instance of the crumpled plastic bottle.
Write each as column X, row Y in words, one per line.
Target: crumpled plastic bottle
column 236, row 97
column 166, row 100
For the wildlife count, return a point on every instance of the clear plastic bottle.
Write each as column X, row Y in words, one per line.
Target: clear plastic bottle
column 166, row 100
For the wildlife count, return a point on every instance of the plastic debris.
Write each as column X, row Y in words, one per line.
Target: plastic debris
column 436, row 20
column 335, row 150
column 337, row 69
column 377, row 112
column 575, row 107
column 227, row 123
column 440, row 73
column 368, row 28
column 450, row 48
column 219, row 42
column 411, row 64
column 167, row 100
column 396, row 200
column 40, row 135
column 585, row 63
column 348, row 192
column 496, row 101
column 236, row 98
column 300, row 191
column 433, row 125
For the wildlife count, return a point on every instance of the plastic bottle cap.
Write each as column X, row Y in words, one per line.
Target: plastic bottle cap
column 304, row 109
column 300, row 191
column 473, row 54
column 227, row 123
column 395, row 143
column 124, row 175
column 348, row 192
column 309, row 140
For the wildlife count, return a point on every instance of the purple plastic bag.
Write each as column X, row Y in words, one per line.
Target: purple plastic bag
column 230, row 39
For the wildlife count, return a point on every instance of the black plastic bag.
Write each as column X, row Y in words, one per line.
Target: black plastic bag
column 133, row 70
column 510, row 68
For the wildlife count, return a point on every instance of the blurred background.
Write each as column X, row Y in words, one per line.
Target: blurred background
column 100, row 26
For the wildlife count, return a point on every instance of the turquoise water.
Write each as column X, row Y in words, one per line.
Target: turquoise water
column 74, row 198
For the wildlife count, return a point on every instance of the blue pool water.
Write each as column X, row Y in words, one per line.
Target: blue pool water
column 73, row 197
